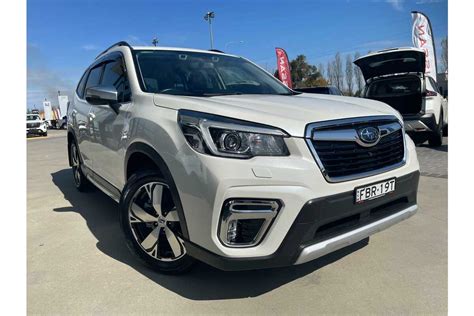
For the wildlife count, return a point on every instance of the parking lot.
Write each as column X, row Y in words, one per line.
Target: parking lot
column 78, row 263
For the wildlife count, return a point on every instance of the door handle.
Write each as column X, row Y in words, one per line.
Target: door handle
column 91, row 116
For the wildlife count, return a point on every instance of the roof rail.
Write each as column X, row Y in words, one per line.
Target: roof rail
column 121, row 43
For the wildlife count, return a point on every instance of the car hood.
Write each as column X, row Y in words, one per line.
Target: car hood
column 34, row 121
column 290, row 113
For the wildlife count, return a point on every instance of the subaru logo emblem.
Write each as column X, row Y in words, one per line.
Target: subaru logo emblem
column 369, row 135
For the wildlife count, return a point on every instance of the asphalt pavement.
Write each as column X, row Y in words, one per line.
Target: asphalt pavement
column 78, row 263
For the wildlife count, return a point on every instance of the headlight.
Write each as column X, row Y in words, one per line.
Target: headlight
column 225, row 137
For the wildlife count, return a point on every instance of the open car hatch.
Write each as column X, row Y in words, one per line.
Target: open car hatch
column 392, row 61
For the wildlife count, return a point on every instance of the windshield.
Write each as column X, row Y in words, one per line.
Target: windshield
column 201, row 74
column 32, row 117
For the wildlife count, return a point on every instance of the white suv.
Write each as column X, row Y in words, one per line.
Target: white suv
column 211, row 158
column 35, row 125
column 397, row 77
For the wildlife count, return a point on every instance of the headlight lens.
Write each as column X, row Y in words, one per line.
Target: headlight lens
column 220, row 136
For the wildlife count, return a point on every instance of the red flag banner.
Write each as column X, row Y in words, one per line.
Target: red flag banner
column 283, row 66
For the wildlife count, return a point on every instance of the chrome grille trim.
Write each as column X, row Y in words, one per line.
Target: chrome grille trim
column 334, row 130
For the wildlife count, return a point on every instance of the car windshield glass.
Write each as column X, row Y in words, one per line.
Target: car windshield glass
column 202, row 74
column 32, row 117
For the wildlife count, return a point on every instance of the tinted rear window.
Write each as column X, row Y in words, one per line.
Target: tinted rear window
column 395, row 87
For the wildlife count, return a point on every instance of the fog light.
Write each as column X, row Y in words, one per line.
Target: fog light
column 244, row 222
column 232, row 231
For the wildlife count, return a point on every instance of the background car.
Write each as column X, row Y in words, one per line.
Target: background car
column 320, row 90
column 35, row 125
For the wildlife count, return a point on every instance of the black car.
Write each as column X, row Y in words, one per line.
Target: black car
column 321, row 90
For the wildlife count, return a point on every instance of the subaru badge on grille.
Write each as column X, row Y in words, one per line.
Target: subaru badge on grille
column 369, row 135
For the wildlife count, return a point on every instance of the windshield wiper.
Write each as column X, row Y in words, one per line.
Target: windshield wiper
column 221, row 94
column 290, row 93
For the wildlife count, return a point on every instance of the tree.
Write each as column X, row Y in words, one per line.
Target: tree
column 300, row 69
column 329, row 73
column 349, row 74
column 359, row 80
column 304, row 74
column 444, row 53
column 337, row 70
column 321, row 69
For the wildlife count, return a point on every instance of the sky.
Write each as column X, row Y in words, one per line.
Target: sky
column 65, row 36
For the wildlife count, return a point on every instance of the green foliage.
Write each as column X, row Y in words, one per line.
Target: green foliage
column 304, row 74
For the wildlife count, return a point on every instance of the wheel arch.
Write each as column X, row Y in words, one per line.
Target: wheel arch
column 136, row 154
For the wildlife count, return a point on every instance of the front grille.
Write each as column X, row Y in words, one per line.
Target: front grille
column 342, row 159
column 32, row 125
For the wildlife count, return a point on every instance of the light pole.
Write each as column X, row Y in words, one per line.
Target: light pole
column 232, row 42
column 208, row 17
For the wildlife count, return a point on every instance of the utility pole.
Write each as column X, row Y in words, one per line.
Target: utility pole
column 155, row 41
column 208, row 17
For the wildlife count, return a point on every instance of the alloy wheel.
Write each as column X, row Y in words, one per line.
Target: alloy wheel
column 154, row 222
column 75, row 164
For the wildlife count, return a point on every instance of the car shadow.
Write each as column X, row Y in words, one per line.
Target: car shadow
column 203, row 282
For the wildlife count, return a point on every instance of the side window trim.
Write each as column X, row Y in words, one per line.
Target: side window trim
column 121, row 58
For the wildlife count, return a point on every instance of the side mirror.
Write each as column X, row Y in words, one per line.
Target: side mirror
column 103, row 95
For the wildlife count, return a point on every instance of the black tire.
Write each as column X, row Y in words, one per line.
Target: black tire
column 154, row 235
column 80, row 180
column 436, row 138
column 45, row 134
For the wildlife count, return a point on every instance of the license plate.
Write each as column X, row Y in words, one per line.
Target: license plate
column 374, row 191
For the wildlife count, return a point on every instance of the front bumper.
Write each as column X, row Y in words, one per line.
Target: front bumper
column 205, row 182
column 324, row 225
column 35, row 131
